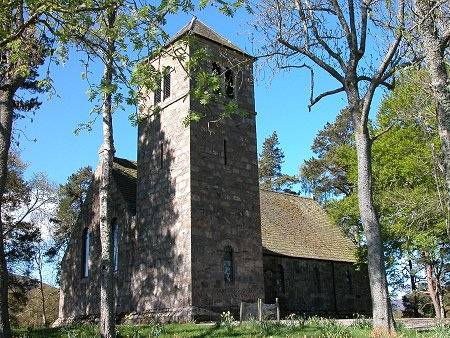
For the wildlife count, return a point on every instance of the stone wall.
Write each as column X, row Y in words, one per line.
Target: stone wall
column 190, row 204
column 317, row 287
column 162, row 270
column 225, row 193
column 80, row 296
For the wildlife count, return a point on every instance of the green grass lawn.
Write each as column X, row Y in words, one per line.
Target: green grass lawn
column 250, row 329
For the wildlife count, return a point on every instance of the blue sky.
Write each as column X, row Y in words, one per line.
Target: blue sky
column 281, row 105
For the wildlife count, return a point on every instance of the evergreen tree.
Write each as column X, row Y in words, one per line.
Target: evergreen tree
column 71, row 196
column 269, row 163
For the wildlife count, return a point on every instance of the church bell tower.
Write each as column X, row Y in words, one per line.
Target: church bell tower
column 198, row 226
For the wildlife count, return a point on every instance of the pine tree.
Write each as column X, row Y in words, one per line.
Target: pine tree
column 270, row 160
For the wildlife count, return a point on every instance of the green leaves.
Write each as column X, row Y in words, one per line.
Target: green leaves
column 269, row 166
column 408, row 185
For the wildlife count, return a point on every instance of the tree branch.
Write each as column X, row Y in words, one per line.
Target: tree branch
column 322, row 64
column 388, row 85
column 378, row 76
column 384, row 131
column 362, row 46
column 31, row 20
column 320, row 40
column 311, row 70
column 321, row 96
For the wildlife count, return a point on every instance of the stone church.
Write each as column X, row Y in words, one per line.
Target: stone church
column 193, row 233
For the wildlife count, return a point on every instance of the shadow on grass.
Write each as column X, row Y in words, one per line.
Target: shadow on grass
column 37, row 332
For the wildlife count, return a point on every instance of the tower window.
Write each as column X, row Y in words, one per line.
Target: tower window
column 85, row 253
column 279, row 279
column 158, row 92
column 166, row 86
column 229, row 83
column 116, row 244
column 228, row 264
column 225, row 152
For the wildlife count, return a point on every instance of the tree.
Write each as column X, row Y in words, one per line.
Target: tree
column 269, row 166
column 27, row 34
column 432, row 18
column 336, row 37
column 71, row 197
column 25, row 205
column 416, row 207
column 328, row 176
column 407, row 182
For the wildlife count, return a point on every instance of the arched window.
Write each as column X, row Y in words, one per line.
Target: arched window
column 166, row 90
column 228, row 264
column 317, row 280
column 85, row 253
column 115, row 229
column 229, row 83
column 279, row 279
column 348, row 278
column 158, row 91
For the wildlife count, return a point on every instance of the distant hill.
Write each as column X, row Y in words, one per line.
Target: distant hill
column 25, row 302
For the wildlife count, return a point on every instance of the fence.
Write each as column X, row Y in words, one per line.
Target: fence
column 260, row 311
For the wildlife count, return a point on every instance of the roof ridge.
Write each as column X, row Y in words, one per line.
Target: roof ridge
column 288, row 194
column 199, row 28
column 123, row 159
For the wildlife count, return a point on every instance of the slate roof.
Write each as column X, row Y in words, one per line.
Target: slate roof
column 195, row 26
column 298, row 227
column 125, row 174
column 291, row 225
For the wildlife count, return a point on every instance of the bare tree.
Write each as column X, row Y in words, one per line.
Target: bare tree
column 434, row 34
column 359, row 44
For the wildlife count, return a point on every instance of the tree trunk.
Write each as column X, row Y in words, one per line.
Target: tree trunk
column 432, row 288
column 107, row 302
column 381, row 308
column 412, row 276
column 441, row 304
column 439, row 77
column 41, row 289
column 6, row 115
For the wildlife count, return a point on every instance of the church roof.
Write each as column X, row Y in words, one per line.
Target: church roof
column 296, row 226
column 291, row 225
column 195, row 26
column 125, row 174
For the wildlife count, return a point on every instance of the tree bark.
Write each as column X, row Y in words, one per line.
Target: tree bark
column 412, row 277
column 436, row 64
column 107, row 301
column 41, row 289
column 6, row 117
column 433, row 290
column 381, row 307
